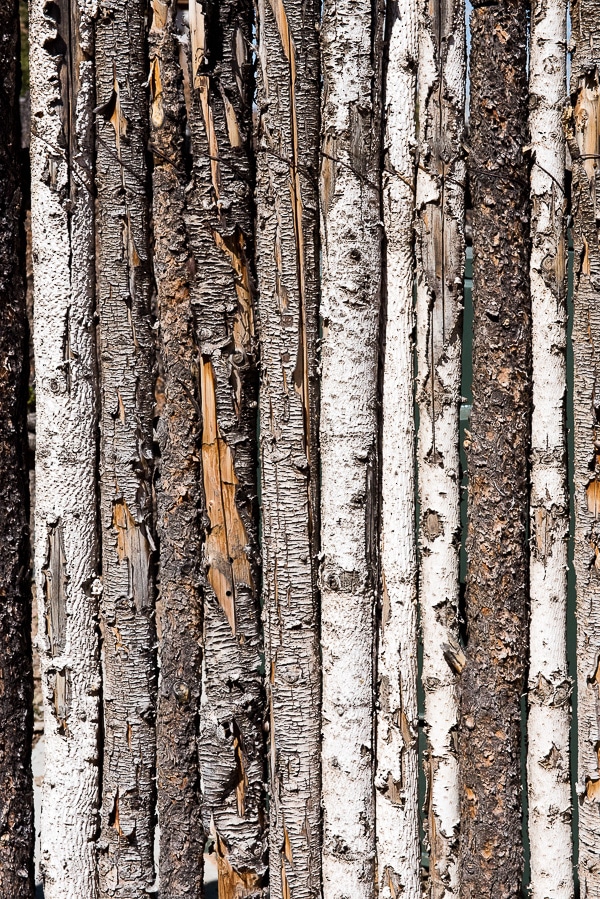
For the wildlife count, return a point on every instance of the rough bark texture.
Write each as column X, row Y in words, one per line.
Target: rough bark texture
column 583, row 134
column 492, row 681
column 549, row 686
column 126, row 353
column 62, row 73
column 351, row 236
column 16, row 678
column 287, row 260
column 220, row 223
column 397, row 762
column 440, row 269
column 179, row 487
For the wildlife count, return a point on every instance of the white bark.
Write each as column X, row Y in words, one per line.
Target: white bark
column 396, row 778
column 440, row 267
column 549, row 685
column 62, row 97
column 351, row 276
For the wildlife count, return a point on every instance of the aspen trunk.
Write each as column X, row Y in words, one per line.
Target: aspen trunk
column 126, row 862
column 549, row 685
column 396, row 776
column 62, row 89
column 16, row 678
column 583, row 134
column 220, row 223
column 492, row 681
column 179, row 486
column 351, row 40
column 287, row 262
column 440, row 270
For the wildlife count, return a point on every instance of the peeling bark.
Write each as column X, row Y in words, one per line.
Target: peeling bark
column 397, row 761
column 62, row 89
column 179, row 486
column 126, row 849
column 492, row 680
column 16, row 677
column 351, row 236
column 549, row 686
column 583, row 136
column 440, row 270
column 287, row 262
column 220, row 224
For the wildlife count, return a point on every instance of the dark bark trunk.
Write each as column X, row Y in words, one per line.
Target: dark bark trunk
column 583, row 135
column 492, row 681
column 220, row 222
column 126, row 356
column 179, row 488
column 16, row 678
column 287, row 254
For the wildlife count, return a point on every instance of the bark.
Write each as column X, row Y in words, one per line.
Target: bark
column 440, row 270
column 351, row 40
column 179, row 486
column 126, row 862
column 549, row 685
column 16, row 677
column 492, row 681
column 66, row 527
column 287, row 262
column 396, row 776
column 220, row 223
column 583, row 134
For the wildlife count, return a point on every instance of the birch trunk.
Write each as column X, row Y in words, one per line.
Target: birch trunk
column 62, row 92
column 583, row 133
column 287, row 264
column 126, row 861
column 220, row 222
column 440, row 270
column 16, row 677
column 492, row 681
column 351, row 40
column 549, row 685
column 396, row 776
column 179, row 486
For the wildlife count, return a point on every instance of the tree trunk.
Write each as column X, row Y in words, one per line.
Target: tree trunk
column 62, row 75
column 549, row 685
column 440, row 270
column 583, row 134
column 16, row 678
column 126, row 351
column 220, row 223
column 397, row 762
column 179, row 487
column 287, row 260
column 351, row 238
column 492, row 681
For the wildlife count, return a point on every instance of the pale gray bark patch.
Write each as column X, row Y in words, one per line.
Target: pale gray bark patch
column 126, row 848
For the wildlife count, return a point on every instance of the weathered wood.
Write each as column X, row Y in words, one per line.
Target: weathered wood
column 351, row 237
column 440, row 249
column 126, row 850
column 287, row 265
column 548, row 781
column 583, row 136
column 16, row 678
column 396, row 751
column 179, row 486
column 492, row 680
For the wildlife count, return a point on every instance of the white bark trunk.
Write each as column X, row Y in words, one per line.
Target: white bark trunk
column 351, row 276
column 440, row 268
column 62, row 91
column 549, row 685
column 396, row 778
